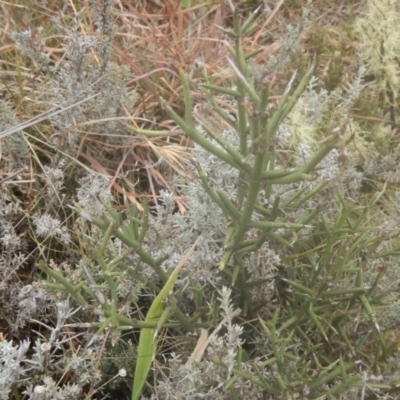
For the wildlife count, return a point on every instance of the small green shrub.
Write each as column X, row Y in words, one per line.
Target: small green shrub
column 267, row 270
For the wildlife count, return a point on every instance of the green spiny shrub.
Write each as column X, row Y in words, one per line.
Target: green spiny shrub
column 285, row 243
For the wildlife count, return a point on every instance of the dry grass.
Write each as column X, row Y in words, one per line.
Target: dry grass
column 152, row 40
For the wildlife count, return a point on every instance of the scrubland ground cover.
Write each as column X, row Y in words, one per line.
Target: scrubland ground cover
column 199, row 199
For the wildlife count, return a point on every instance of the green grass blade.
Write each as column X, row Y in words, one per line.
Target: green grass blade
column 147, row 343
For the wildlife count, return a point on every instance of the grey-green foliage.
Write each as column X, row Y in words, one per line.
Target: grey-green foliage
column 52, row 109
column 379, row 41
column 86, row 70
column 293, row 251
column 272, row 208
column 28, row 366
column 277, row 202
column 12, row 369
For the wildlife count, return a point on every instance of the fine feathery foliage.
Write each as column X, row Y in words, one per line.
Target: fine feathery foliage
column 232, row 235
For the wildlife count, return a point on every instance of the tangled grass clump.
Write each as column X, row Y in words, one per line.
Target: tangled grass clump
column 196, row 202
